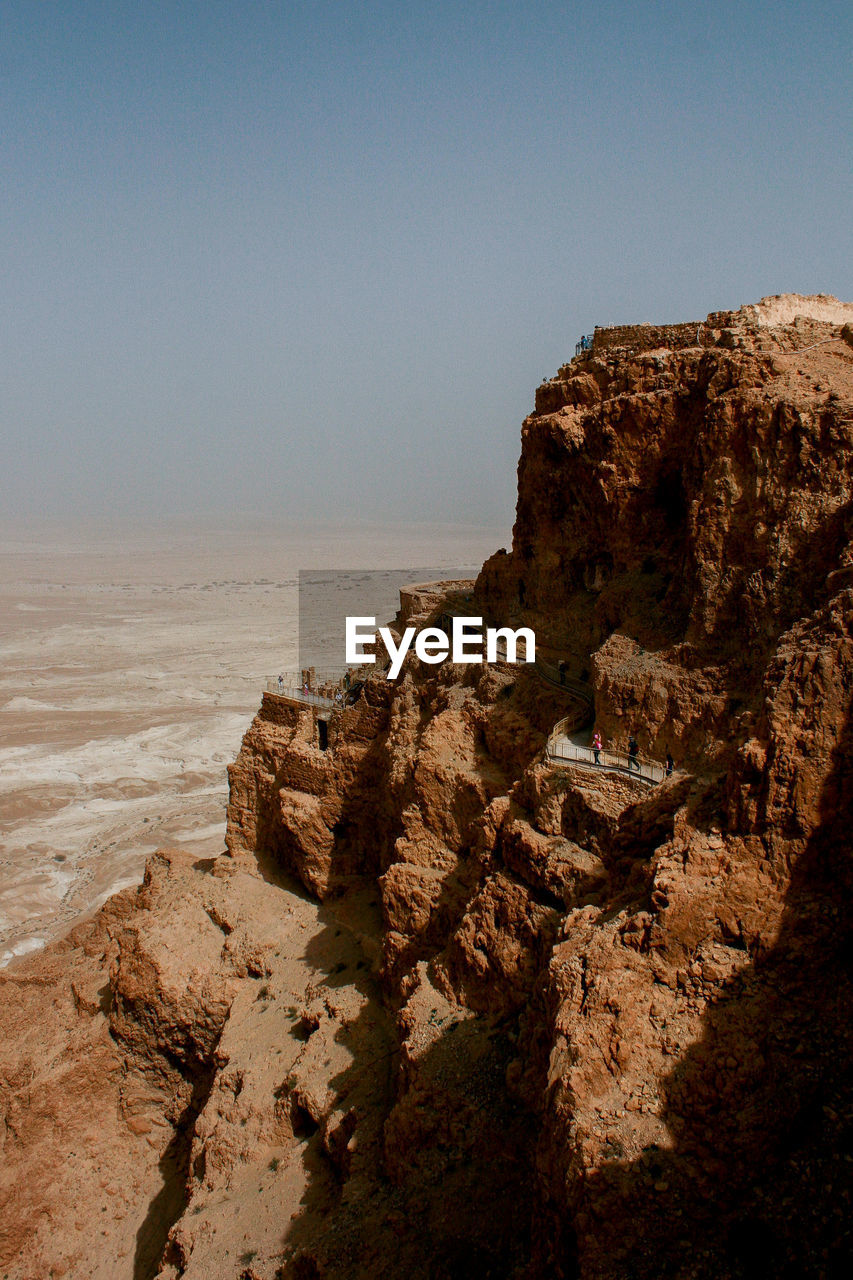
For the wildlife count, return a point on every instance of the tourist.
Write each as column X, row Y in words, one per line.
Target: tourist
column 670, row 765
column 280, row 683
column 633, row 751
column 596, row 745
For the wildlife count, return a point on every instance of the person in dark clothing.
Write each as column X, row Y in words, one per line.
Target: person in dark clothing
column 670, row 765
column 633, row 752
column 562, row 670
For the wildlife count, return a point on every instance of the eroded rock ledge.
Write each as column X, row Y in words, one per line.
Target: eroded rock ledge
column 446, row 1010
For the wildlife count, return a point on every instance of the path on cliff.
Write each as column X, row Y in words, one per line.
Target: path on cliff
column 569, row 740
column 573, row 749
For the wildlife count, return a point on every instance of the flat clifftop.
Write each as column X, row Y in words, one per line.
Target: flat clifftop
column 784, row 309
column 450, row 1006
column 727, row 328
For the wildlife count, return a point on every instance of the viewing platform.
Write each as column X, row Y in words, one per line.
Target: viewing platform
column 562, row 749
column 323, row 690
column 304, row 697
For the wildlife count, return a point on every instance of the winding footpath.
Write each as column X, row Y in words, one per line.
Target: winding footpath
column 567, row 745
column 564, row 748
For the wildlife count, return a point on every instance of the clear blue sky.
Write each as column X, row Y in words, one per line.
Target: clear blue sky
column 313, row 258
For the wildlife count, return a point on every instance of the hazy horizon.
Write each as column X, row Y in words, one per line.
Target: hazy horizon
column 310, row 261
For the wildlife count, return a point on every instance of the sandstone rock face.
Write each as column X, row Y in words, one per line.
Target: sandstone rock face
column 678, row 527
column 530, row 1020
column 311, row 811
column 697, row 519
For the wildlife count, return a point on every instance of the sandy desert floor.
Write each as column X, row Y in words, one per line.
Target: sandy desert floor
column 130, row 667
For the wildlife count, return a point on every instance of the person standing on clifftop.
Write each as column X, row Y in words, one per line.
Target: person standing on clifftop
column 596, row 745
column 633, row 751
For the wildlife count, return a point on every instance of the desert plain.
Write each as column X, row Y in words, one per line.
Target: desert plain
column 131, row 664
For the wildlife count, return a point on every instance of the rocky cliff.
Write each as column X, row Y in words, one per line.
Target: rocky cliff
column 446, row 1008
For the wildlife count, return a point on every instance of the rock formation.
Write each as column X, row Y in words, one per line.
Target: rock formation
column 445, row 1008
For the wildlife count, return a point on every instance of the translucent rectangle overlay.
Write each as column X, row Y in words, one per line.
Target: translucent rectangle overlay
column 327, row 597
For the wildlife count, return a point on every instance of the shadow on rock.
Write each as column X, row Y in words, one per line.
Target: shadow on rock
column 171, row 1201
column 760, row 1180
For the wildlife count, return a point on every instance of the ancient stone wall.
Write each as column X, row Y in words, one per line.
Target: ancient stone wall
column 645, row 337
column 302, row 773
column 361, row 722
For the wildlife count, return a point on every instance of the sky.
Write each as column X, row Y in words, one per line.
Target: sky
column 286, row 260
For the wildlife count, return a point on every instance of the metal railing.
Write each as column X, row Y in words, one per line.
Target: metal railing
column 309, row 698
column 564, row 751
column 326, row 689
column 292, row 677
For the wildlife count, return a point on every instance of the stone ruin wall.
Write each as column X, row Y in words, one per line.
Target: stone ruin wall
column 645, row 337
column 773, row 312
column 361, row 722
